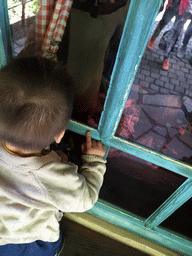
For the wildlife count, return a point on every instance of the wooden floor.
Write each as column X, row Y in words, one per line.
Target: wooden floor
column 81, row 241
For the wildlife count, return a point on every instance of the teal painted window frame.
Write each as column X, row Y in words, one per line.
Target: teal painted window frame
column 5, row 36
column 140, row 19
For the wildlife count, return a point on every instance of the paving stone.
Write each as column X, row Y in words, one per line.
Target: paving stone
column 169, row 86
column 143, row 91
column 163, row 90
column 136, row 87
column 144, row 83
column 177, row 149
column 180, row 73
column 188, row 92
column 145, row 67
column 154, row 75
column 140, row 76
column 136, row 81
column 154, row 87
column 155, row 55
column 133, row 95
column 173, row 61
column 177, row 67
column 182, row 79
column 189, row 81
column 171, row 70
column 162, row 100
column 164, row 78
column 175, row 82
column 185, row 70
column 188, row 103
column 189, row 76
column 189, row 67
column 152, row 140
column 150, row 80
column 163, row 73
column 165, row 116
column 172, row 131
column 159, row 82
column 151, row 91
column 186, row 138
column 179, row 89
column 174, row 92
column 145, row 72
column 155, row 68
column 184, row 85
column 141, row 126
column 181, row 64
column 144, row 61
column 172, row 75
column 150, row 58
column 161, row 130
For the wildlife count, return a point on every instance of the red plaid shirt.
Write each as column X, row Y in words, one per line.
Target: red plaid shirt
column 50, row 25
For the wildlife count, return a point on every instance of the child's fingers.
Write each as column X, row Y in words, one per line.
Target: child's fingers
column 88, row 140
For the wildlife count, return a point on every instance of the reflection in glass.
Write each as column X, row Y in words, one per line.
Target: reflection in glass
column 158, row 111
column 141, row 187
column 184, row 226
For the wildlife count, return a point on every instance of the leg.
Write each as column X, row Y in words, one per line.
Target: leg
column 176, row 29
column 168, row 15
column 188, row 34
column 89, row 39
column 186, row 39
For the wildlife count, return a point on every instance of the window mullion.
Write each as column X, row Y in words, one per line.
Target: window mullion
column 138, row 25
column 177, row 199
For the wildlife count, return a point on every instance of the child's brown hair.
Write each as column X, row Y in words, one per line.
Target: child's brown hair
column 36, row 99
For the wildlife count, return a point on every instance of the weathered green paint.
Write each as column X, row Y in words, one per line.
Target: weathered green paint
column 135, row 224
column 136, row 32
column 2, row 51
column 5, row 31
column 177, row 199
column 152, row 156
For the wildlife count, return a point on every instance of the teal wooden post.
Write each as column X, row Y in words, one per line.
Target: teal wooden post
column 2, row 51
column 140, row 19
column 177, row 199
column 5, row 30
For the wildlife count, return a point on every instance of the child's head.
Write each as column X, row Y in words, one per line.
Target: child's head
column 36, row 99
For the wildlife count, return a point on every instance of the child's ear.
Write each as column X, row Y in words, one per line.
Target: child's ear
column 59, row 136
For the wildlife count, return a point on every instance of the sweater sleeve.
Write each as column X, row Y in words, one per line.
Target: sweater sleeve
column 73, row 191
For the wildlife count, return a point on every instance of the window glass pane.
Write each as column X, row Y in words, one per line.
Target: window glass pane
column 136, row 185
column 158, row 112
column 181, row 220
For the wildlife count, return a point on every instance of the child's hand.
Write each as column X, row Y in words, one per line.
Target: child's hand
column 64, row 157
column 92, row 147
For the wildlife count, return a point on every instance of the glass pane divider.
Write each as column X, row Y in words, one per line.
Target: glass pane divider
column 81, row 129
column 176, row 200
column 152, row 156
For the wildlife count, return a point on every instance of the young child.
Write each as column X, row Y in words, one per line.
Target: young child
column 36, row 186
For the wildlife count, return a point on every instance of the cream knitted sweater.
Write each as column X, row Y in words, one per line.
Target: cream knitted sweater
column 34, row 191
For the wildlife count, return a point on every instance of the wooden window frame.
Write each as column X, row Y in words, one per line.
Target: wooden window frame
column 138, row 25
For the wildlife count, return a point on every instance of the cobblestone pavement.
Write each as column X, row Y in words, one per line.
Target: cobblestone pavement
column 154, row 111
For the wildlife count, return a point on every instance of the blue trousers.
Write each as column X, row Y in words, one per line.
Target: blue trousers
column 37, row 248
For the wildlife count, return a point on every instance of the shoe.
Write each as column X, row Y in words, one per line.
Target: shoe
column 181, row 52
column 165, row 65
column 150, row 44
